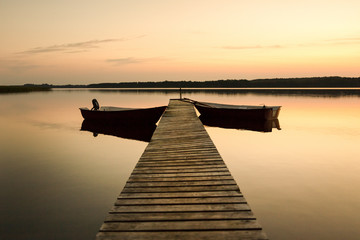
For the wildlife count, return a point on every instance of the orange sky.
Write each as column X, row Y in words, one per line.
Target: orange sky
column 65, row 41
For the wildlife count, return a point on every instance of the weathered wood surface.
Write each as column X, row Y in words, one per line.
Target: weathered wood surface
column 180, row 189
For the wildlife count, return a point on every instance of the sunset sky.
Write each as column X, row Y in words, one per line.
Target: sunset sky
column 91, row 41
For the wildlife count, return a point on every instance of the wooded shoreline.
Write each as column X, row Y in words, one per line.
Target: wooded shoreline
column 318, row 82
column 23, row 89
column 313, row 82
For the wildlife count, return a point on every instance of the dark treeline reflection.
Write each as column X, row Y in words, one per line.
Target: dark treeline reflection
column 252, row 125
column 280, row 92
column 140, row 132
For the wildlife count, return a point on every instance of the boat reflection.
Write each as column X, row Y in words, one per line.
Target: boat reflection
column 252, row 125
column 140, row 132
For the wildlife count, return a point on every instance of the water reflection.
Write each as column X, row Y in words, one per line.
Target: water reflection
column 140, row 132
column 252, row 125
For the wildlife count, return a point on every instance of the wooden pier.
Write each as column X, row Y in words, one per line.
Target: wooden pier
column 180, row 189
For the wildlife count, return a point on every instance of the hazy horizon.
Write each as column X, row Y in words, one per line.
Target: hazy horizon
column 84, row 42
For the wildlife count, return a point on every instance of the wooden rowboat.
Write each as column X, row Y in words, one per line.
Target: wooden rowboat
column 215, row 110
column 125, row 115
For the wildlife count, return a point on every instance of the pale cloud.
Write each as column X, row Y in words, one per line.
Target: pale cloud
column 132, row 60
column 71, row 47
column 128, row 60
column 140, row 36
column 251, row 47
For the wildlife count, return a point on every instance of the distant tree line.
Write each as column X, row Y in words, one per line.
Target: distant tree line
column 313, row 82
column 24, row 88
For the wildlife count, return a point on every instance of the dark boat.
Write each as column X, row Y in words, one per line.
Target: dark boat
column 239, row 112
column 134, row 131
column 252, row 125
column 125, row 115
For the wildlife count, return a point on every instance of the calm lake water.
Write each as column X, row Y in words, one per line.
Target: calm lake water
column 302, row 182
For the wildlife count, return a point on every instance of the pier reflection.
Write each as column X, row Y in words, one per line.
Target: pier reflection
column 252, row 125
column 140, row 132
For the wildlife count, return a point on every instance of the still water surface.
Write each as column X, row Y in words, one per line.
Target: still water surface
column 58, row 182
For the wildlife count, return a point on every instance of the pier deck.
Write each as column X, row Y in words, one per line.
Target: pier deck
column 180, row 188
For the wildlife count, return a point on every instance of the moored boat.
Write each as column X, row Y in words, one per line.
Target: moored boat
column 126, row 115
column 215, row 110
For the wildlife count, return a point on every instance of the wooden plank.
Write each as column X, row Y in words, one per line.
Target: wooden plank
column 193, row 235
column 183, row 155
column 170, row 216
column 162, row 171
column 181, row 225
column 179, row 163
column 183, row 167
column 161, row 152
column 193, row 146
column 175, row 175
column 180, row 189
column 214, row 182
column 179, row 158
column 181, row 208
column 194, row 200
column 181, row 194
column 177, row 179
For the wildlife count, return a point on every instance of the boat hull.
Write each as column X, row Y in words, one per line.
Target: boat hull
column 248, row 114
column 143, row 115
